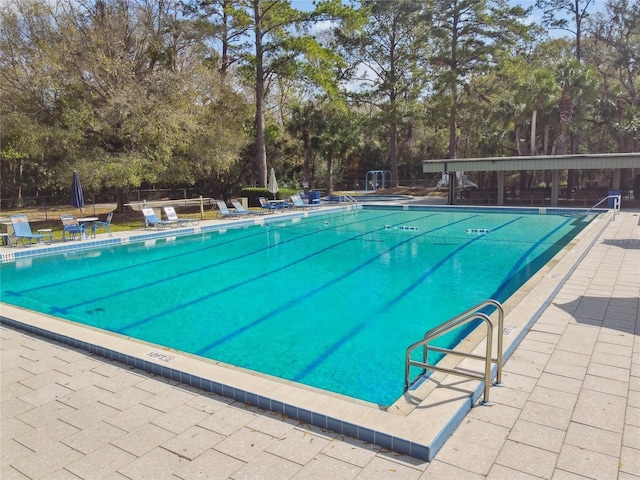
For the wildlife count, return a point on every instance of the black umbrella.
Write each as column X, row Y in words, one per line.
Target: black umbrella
column 77, row 198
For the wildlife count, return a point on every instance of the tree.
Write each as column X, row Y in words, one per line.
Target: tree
column 337, row 134
column 281, row 38
column 27, row 96
column 577, row 87
column 116, row 90
column 392, row 51
column 305, row 120
column 577, row 10
column 614, row 52
column 226, row 24
column 467, row 33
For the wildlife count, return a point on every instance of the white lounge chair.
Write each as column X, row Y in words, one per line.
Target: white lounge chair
column 224, row 210
column 240, row 208
column 152, row 220
column 172, row 216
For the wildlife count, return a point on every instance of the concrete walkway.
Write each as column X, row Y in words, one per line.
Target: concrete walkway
column 570, row 407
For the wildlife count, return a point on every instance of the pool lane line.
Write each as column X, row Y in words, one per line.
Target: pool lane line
column 314, row 291
column 62, row 311
column 388, row 305
column 358, row 328
column 260, row 276
column 259, row 233
column 131, row 266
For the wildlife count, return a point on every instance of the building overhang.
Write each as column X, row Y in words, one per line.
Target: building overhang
column 543, row 162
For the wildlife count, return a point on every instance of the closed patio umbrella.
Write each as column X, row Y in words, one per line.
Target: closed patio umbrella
column 272, row 185
column 77, row 197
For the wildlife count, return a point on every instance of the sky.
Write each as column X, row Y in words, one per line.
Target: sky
column 535, row 17
column 597, row 5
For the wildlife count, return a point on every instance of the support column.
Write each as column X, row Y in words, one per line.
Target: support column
column 555, row 187
column 452, row 188
column 500, row 187
column 617, row 174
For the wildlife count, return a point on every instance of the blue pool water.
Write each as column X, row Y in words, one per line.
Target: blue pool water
column 330, row 301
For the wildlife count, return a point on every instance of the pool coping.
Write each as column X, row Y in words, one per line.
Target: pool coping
column 419, row 432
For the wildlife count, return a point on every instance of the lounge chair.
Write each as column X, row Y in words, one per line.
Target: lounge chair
column 266, row 206
column 299, row 204
column 106, row 225
column 72, row 228
column 152, row 220
column 240, row 208
column 224, row 210
column 22, row 231
column 172, row 216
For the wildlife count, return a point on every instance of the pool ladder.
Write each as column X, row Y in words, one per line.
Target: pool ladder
column 615, row 207
column 473, row 314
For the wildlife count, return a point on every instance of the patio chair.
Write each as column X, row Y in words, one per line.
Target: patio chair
column 172, row 216
column 22, row 231
column 299, row 204
column 152, row 220
column 240, row 208
column 72, row 228
column 266, row 206
column 106, row 225
column 224, row 210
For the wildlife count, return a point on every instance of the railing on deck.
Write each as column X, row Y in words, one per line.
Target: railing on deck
column 615, row 207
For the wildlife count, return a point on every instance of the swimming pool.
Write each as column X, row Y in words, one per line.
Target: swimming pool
column 330, row 301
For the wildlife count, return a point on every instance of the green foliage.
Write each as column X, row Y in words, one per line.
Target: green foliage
column 143, row 93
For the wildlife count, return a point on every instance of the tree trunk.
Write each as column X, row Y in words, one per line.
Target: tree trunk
column 122, row 195
column 307, row 154
column 329, row 171
column 451, row 200
column 452, row 127
column 534, row 117
column 565, row 110
column 393, row 151
column 261, row 151
column 545, row 143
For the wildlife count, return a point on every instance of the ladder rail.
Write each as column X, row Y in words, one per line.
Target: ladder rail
column 617, row 200
column 468, row 316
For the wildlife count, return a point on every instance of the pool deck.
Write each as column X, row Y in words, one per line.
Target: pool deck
column 569, row 409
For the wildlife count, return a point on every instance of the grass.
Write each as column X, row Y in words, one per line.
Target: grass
column 49, row 217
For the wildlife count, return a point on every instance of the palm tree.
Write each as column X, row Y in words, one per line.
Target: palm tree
column 577, row 85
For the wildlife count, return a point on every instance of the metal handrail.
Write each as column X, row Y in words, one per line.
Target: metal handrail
column 617, row 199
column 470, row 315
